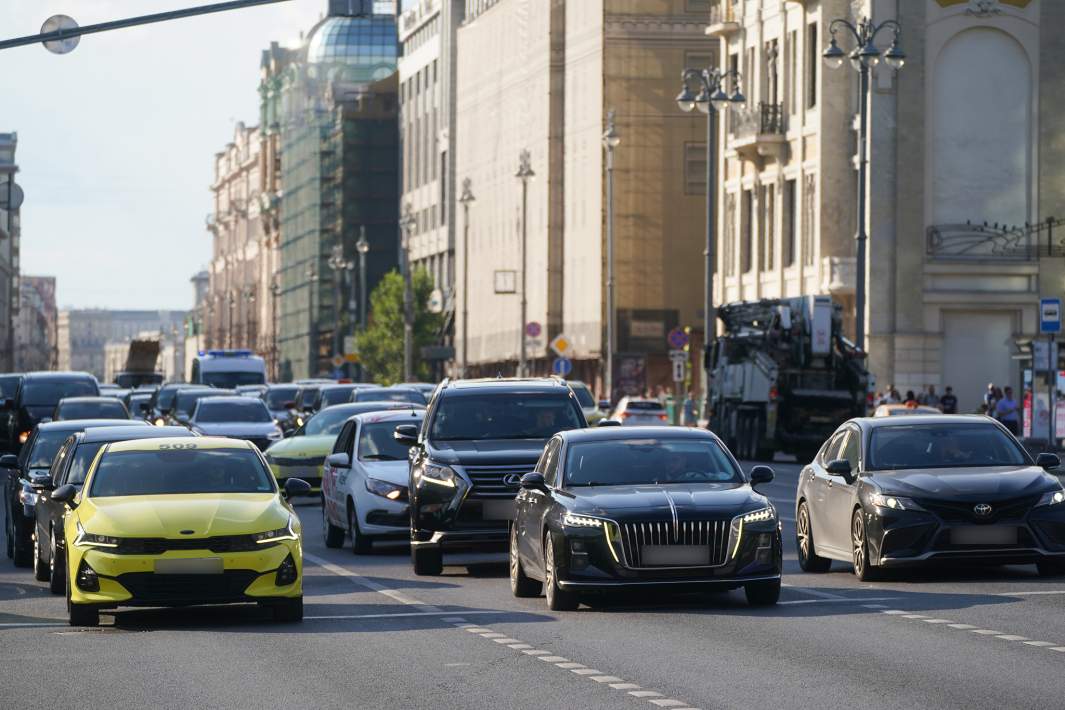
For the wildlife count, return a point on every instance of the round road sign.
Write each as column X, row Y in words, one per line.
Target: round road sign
column 562, row 366
column 56, row 23
column 677, row 338
column 533, row 329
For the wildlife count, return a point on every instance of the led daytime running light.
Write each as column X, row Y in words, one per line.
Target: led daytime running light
column 271, row 536
column 84, row 539
column 760, row 516
column 581, row 521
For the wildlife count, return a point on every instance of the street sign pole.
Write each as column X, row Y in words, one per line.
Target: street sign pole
column 1050, row 325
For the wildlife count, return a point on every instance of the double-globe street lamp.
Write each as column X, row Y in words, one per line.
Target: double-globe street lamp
column 863, row 57
column 338, row 264
column 363, row 248
column 611, row 140
column 525, row 174
column 314, row 359
column 710, row 99
column 407, row 223
column 466, row 199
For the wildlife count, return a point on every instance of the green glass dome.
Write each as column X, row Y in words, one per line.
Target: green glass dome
column 365, row 46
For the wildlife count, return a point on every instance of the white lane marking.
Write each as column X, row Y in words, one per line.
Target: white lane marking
column 973, row 629
column 645, row 694
column 838, row 601
column 493, row 635
column 28, row 624
column 536, row 652
column 587, row 671
column 963, row 627
column 815, row 592
column 390, row 616
column 369, row 583
column 606, row 679
column 986, row 632
column 1059, row 649
column 1011, row 637
column 519, row 646
column 1040, row 644
column 892, row 612
column 936, row 621
column 478, row 630
column 506, row 641
column 624, row 686
column 669, row 703
column 914, row 616
column 1018, row 594
column 570, row 665
column 872, row 606
column 553, row 659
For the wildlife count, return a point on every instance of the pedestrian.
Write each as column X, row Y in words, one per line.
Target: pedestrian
column 689, row 410
column 891, row 395
column 911, row 399
column 929, row 397
column 989, row 399
column 1007, row 411
column 948, row 403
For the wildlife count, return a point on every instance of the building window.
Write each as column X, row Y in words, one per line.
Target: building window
column 695, row 168
column 443, row 188
column 793, row 71
column 809, row 201
column 699, row 60
column 729, row 237
column 746, row 231
column 813, row 58
column 768, row 199
column 700, row 7
column 790, row 221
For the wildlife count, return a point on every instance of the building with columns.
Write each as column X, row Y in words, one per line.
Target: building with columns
column 963, row 181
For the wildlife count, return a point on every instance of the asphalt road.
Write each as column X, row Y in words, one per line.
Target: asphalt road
column 376, row 636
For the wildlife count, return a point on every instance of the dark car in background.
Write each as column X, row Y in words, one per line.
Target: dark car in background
column 89, row 408
column 162, row 401
column 26, row 473
column 388, row 394
column 236, row 417
column 330, row 395
column 281, row 401
column 9, row 384
column 307, row 400
column 37, row 397
column 185, row 403
column 666, row 508
column 477, row 440
column 69, row 466
column 139, row 404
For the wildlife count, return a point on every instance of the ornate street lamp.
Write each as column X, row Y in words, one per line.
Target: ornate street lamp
column 466, row 199
column 525, row 174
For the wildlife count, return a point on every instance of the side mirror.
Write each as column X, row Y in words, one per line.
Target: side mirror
column 9, row 461
column 761, row 474
column 293, row 487
column 406, row 434
column 339, row 460
column 841, row 467
column 1044, row 460
column 608, row 422
column 65, row 494
column 533, row 481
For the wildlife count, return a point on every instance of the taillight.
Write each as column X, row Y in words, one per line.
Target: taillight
column 773, row 393
column 663, row 417
column 626, row 415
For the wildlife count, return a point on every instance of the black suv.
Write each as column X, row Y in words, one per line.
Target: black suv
column 466, row 461
column 36, row 398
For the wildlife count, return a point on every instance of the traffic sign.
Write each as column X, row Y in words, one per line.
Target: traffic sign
column 57, row 23
column 677, row 338
column 562, row 366
column 351, row 345
column 1050, row 315
column 561, row 345
column 533, row 329
column 679, row 355
column 679, row 370
column 338, row 360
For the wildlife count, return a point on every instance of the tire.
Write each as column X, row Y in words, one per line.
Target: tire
column 1050, row 568
column 23, row 545
column 762, row 593
column 809, row 560
column 360, row 544
column 81, row 614
column 864, row 570
column 289, row 611
column 427, row 561
column 520, row 585
column 334, row 536
column 40, row 569
column 57, row 564
column 558, row 599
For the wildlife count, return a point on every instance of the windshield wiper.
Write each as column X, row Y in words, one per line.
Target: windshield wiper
column 380, row 457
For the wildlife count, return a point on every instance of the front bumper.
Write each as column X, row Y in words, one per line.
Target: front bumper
column 380, row 517
column 131, row 580
column 309, row 472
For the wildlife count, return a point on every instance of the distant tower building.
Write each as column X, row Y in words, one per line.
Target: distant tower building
column 9, row 255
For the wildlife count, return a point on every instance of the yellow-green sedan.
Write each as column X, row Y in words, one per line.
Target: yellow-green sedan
column 175, row 522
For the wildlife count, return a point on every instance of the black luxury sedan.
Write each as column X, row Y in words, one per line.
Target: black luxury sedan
column 895, row 491
column 611, row 508
column 467, row 458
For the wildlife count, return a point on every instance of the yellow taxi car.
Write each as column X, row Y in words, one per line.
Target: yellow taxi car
column 175, row 522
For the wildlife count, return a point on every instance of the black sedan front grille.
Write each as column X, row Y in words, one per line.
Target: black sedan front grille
column 713, row 534
column 157, row 546
column 187, row 588
column 961, row 512
column 490, row 481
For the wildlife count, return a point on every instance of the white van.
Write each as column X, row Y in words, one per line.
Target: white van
column 228, row 369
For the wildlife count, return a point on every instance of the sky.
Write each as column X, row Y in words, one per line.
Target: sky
column 117, row 140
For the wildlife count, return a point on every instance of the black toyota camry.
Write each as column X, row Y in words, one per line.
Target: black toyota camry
column 611, row 508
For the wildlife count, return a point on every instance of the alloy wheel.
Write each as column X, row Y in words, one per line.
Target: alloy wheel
column 858, row 544
column 802, row 532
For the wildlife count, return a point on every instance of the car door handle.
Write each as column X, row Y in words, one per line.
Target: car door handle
column 829, row 482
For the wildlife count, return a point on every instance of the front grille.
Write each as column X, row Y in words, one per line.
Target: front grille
column 709, row 533
column 488, row 481
column 157, row 546
column 960, row 512
column 191, row 588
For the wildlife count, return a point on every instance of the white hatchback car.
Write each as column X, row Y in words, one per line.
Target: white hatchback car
column 365, row 479
column 636, row 411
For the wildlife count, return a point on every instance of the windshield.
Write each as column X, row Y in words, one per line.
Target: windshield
column 942, row 446
column 307, row 397
column 182, row 471
column 112, row 409
column 250, row 412
column 336, row 395
column 165, row 400
column 82, row 459
column 584, row 396
column 387, row 395
column 48, row 393
column 636, row 461
column 503, row 416
column 376, row 442
column 45, row 447
column 278, row 397
column 327, row 422
column 229, row 380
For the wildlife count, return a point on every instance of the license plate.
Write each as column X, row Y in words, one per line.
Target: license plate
column 498, row 510
column 992, row 535
column 204, row 565
column 674, row 555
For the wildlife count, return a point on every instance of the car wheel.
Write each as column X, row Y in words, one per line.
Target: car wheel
column 427, row 561
column 334, row 535
column 1050, row 568
column 809, row 560
column 57, row 565
column 81, row 614
column 863, row 567
column 520, row 584
column 360, row 544
column 558, row 599
column 40, row 569
column 762, row 593
column 289, row 611
column 23, row 545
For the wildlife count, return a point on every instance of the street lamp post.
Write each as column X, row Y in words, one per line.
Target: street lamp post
column 466, row 200
column 338, row 264
column 710, row 99
column 312, row 325
column 863, row 57
column 363, row 247
column 611, row 141
column 275, row 293
column 525, row 173
column 229, row 336
column 406, row 225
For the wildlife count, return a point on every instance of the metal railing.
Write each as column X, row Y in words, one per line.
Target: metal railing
column 764, row 118
column 722, row 11
column 995, row 241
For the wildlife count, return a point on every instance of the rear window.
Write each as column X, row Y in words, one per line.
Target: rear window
column 186, row 401
column 47, row 393
column 252, row 411
column 336, row 395
column 111, row 409
column 388, row 395
column 504, row 416
column 644, row 405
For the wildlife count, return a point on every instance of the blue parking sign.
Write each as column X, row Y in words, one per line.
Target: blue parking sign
column 1050, row 315
column 562, row 366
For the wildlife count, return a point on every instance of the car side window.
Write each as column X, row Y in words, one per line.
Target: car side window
column 831, row 450
column 343, row 442
column 58, row 463
column 851, row 450
column 550, row 462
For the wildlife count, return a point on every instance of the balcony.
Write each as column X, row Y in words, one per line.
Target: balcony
column 969, row 241
column 758, row 131
column 723, row 19
column 838, row 275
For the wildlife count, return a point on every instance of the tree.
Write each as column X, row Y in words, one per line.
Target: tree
column 381, row 343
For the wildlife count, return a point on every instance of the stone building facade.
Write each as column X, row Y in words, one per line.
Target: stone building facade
column 36, row 325
column 10, row 237
column 82, row 334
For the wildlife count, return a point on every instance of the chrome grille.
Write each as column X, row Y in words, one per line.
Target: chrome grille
column 488, row 480
column 710, row 533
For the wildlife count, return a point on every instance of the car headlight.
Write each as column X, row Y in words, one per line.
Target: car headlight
column 760, row 516
column 385, row 489
column 270, row 536
column 299, row 421
column 86, row 539
column 1052, row 498
column 27, row 497
column 581, row 521
column 23, row 436
column 159, row 421
column 440, row 475
column 890, row 502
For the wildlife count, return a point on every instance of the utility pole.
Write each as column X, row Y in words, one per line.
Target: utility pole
column 466, row 200
column 611, row 141
column 525, row 173
column 406, row 225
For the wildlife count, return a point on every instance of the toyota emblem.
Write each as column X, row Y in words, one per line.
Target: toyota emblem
column 982, row 509
column 512, row 480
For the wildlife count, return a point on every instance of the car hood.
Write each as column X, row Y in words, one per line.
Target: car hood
column 692, row 501
column 976, row 484
column 397, row 472
column 302, row 447
column 236, row 429
column 497, row 452
column 206, row 514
